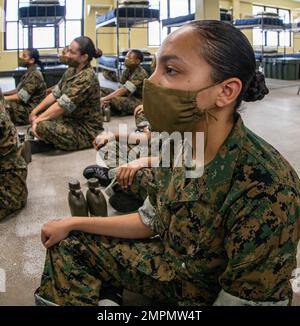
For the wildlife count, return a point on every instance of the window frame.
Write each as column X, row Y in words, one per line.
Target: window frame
column 265, row 43
column 30, row 35
column 168, row 28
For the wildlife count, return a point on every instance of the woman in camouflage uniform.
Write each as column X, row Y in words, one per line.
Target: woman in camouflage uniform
column 228, row 237
column 13, row 169
column 30, row 91
column 70, row 117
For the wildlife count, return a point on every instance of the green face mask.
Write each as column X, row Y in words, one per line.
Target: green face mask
column 170, row 109
column 72, row 63
column 22, row 63
column 130, row 63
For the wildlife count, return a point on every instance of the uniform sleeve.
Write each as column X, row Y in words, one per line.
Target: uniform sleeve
column 29, row 87
column 261, row 243
column 147, row 213
column 134, row 82
column 56, row 92
column 8, row 140
column 124, row 77
column 76, row 94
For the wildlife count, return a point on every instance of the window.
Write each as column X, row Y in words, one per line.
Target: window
column 168, row 9
column 44, row 37
column 272, row 38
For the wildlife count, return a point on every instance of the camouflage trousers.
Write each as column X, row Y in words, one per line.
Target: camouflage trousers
column 121, row 105
column 65, row 134
column 110, row 75
column 19, row 113
column 13, row 192
column 78, row 267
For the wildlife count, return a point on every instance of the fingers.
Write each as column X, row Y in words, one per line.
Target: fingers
column 49, row 243
column 44, row 237
column 138, row 110
column 97, row 145
column 126, row 175
column 121, row 176
column 131, row 176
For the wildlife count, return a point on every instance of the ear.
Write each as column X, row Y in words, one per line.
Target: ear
column 230, row 89
column 86, row 57
column 31, row 61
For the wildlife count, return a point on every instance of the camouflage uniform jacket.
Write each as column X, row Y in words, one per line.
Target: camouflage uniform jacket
column 133, row 81
column 79, row 95
column 232, row 232
column 32, row 87
column 10, row 158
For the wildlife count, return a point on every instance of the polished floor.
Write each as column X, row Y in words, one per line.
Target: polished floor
column 276, row 118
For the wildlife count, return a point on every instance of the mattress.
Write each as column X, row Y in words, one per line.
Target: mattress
column 111, row 61
column 42, row 15
column 133, row 3
column 128, row 16
column 177, row 21
column 225, row 17
column 292, row 26
column 267, row 21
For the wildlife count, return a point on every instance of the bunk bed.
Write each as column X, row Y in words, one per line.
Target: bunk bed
column 259, row 22
column 225, row 16
column 274, row 65
column 42, row 13
column 264, row 22
column 178, row 21
column 126, row 16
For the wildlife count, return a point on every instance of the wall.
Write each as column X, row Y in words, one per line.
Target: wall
column 246, row 9
column 8, row 59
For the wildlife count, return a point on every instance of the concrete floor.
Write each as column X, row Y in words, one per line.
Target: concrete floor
column 276, row 118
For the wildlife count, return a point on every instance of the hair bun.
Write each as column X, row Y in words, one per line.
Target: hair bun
column 257, row 88
column 98, row 53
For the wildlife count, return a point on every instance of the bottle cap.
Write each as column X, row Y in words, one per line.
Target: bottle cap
column 74, row 184
column 21, row 137
column 93, row 183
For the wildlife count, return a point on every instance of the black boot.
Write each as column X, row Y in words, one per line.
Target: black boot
column 125, row 203
column 98, row 172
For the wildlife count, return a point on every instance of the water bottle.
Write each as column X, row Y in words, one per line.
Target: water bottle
column 95, row 199
column 77, row 202
column 106, row 113
column 26, row 148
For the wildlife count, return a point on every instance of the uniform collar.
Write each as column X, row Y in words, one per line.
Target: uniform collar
column 32, row 68
column 137, row 69
column 217, row 176
column 75, row 74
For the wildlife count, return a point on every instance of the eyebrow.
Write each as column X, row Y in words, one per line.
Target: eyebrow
column 165, row 58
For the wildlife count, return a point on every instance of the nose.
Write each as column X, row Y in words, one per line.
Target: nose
column 154, row 78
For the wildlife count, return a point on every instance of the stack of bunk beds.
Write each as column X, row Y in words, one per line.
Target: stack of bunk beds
column 127, row 15
column 274, row 64
column 42, row 13
column 225, row 16
column 265, row 21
